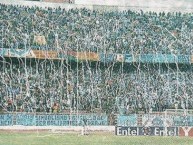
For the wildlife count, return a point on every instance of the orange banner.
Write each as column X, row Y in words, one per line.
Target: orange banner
column 90, row 56
column 39, row 54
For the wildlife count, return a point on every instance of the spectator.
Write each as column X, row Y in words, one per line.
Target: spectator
column 111, row 87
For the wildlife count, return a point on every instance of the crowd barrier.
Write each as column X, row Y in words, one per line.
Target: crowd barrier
column 127, row 125
column 130, row 120
column 6, row 119
column 29, row 119
column 154, row 120
column 91, row 56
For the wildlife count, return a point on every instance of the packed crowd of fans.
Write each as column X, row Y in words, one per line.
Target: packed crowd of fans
column 97, row 31
column 54, row 87
column 48, row 86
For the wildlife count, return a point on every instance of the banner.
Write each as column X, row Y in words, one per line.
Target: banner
column 157, row 120
column 156, row 58
column 39, row 54
column 90, row 56
column 21, row 53
column 18, row 53
column 146, row 131
column 146, row 58
column 25, row 119
column 183, row 59
column 183, row 120
column 72, row 55
column 3, row 52
column 71, row 120
column 29, row 119
column 129, row 58
column 52, row 120
column 6, row 119
column 163, row 58
column 130, row 120
column 106, row 58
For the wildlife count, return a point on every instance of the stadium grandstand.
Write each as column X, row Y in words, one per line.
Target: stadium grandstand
column 115, row 65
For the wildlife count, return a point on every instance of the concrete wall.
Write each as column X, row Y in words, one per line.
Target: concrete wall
column 139, row 3
column 146, row 5
column 59, row 1
column 101, row 2
column 44, row 4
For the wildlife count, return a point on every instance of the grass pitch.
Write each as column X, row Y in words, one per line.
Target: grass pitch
column 42, row 138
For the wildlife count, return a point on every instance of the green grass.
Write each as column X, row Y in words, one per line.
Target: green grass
column 92, row 139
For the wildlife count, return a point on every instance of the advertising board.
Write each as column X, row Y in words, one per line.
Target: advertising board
column 146, row 131
column 186, row 131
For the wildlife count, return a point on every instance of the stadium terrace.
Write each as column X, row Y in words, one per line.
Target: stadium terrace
column 110, row 67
